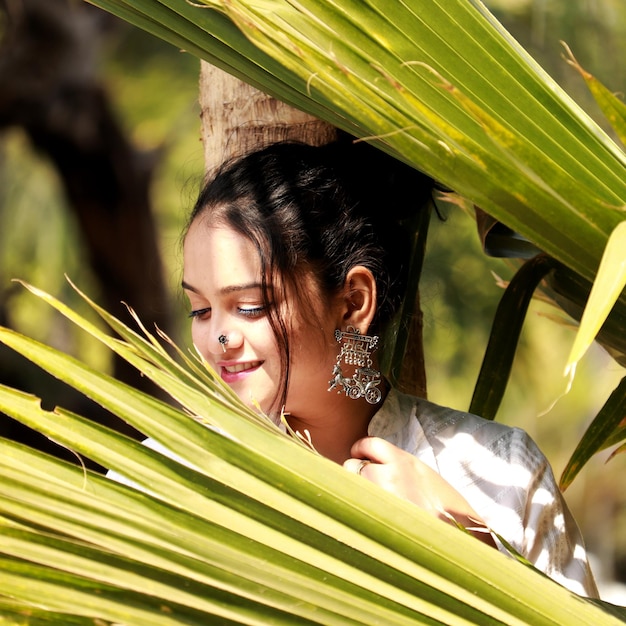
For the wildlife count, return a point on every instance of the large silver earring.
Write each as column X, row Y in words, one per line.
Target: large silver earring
column 356, row 350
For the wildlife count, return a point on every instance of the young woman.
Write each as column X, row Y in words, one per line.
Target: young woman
column 294, row 265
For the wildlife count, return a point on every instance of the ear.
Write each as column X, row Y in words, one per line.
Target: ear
column 359, row 299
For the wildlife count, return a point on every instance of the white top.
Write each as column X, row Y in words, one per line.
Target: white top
column 503, row 475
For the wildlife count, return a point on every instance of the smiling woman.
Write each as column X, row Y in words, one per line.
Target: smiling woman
column 294, row 265
column 229, row 322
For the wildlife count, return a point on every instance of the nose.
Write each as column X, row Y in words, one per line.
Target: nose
column 227, row 341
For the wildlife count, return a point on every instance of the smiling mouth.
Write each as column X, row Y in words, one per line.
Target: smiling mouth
column 241, row 367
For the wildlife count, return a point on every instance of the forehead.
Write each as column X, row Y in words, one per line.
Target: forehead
column 218, row 258
column 220, row 255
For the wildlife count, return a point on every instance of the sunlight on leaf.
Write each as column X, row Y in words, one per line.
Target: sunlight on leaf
column 608, row 286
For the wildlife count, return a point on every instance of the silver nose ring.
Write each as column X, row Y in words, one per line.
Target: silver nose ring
column 223, row 339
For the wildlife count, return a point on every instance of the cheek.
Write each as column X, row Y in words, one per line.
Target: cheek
column 198, row 338
column 314, row 346
column 260, row 336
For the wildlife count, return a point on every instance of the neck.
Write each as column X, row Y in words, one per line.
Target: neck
column 335, row 431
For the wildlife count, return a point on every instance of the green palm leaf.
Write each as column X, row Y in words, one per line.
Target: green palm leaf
column 251, row 529
column 613, row 107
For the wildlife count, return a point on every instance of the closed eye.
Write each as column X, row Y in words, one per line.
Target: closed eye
column 198, row 313
column 256, row 311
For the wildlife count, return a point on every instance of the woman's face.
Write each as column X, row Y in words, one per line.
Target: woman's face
column 222, row 279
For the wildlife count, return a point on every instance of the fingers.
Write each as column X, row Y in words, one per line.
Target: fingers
column 375, row 449
column 357, row 466
column 402, row 474
column 371, row 451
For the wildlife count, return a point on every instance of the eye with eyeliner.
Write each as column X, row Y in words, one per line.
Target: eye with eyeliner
column 199, row 312
column 251, row 312
column 254, row 311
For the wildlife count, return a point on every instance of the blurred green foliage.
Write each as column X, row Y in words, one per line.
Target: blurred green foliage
column 38, row 240
column 155, row 90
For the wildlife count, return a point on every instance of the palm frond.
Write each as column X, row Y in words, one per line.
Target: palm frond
column 247, row 528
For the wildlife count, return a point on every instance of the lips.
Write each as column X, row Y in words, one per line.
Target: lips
column 236, row 371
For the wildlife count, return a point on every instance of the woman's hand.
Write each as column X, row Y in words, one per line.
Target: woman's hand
column 404, row 475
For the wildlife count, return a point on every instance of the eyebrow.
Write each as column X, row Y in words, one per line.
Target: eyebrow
column 225, row 290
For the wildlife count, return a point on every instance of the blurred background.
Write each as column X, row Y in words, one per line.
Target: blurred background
column 100, row 163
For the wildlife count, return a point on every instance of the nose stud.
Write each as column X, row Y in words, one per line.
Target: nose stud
column 223, row 339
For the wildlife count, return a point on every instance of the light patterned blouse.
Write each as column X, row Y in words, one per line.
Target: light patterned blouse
column 501, row 473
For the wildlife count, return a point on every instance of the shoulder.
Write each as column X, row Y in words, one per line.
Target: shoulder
column 465, row 432
column 412, row 423
column 464, row 448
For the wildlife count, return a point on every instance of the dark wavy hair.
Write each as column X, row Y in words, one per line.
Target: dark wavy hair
column 318, row 211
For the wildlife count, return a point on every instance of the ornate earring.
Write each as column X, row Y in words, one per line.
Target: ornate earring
column 355, row 350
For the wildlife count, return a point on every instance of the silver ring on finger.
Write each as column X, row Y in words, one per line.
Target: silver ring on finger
column 362, row 464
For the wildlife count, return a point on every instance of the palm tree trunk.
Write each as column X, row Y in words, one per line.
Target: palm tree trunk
column 237, row 118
